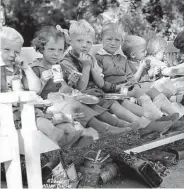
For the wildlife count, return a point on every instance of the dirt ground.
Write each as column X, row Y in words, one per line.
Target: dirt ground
column 175, row 179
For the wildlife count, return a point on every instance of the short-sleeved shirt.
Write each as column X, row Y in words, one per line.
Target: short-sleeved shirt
column 38, row 67
column 70, row 62
column 115, row 67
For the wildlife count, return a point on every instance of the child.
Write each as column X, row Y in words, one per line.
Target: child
column 11, row 43
column 135, row 49
column 51, row 43
column 179, row 69
column 82, row 36
column 117, row 71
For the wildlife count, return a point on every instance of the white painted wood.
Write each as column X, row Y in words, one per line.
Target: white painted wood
column 156, row 143
column 32, row 144
column 9, row 97
column 10, row 147
column 5, row 149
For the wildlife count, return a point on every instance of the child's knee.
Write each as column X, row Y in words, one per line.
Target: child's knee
column 43, row 123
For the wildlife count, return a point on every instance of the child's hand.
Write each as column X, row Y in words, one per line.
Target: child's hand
column 46, row 75
column 74, row 77
column 145, row 64
column 157, row 71
column 65, row 89
column 21, row 63
column 85, row 60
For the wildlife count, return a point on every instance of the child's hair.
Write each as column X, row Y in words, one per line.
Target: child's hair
column 81, row 27
column 132, row 42
column 8, row 33
column 155, row 45
column 111, row 26
column 179, row 41
column 44, row 35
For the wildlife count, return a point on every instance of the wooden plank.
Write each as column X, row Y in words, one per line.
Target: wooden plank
column 156, row 143
column 5, row 149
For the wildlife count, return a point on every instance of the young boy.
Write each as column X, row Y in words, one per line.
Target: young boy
column 82, row 36
column 135, row 49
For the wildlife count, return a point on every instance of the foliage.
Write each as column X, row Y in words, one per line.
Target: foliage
column 165, row 17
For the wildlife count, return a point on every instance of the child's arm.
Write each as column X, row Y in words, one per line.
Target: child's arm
column 30, row 81
column 96, row 72
column 139, row 73
column 83, row 79
column 174, row 70
column 86, row 68
column 33, row 81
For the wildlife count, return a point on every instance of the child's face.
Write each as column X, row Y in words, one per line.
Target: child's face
column 81, row 44
column 138, row 53
column 10, row 50
column 160, row 55
column 53, row 50
column 111, row 41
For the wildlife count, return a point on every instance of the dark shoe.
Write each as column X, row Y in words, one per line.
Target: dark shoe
column 177, row 126
column 69, row 139
column 156, row 126
column 173, row 117
column 115, row 130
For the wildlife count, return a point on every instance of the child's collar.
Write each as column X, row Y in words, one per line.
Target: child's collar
column 103, row 52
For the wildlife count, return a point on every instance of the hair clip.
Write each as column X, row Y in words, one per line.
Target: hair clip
column 64, row 31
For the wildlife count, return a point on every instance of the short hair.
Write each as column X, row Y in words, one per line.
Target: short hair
column 179, row 41
column 131, row 42
column 155, row 45
column 44, row 35
column 81, row 27
column 111, row 26
column 9, row 33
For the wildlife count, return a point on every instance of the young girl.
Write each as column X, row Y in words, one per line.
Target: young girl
column 51, row 43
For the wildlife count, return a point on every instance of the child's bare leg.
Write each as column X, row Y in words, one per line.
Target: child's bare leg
column 115, row 121
column 161, row 101
column 123, row 113
column 134, row 108
column 104, row 128
column 47, row 127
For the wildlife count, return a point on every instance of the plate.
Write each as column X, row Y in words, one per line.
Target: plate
column 114, row 96
column 87, row 99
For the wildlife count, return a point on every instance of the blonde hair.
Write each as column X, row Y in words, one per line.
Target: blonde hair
column 155, row 45
column 132, row 42
column 81, row 27
column 115, row 27
column 8, row 33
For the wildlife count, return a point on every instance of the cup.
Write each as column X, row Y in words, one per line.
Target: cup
column 71, row 172
column 57, row 73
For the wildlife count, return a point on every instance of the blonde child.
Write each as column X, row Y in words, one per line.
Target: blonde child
column 135, row 49
column 82, row 36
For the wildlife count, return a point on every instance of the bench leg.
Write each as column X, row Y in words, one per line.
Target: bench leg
column 13, row 174
column 33, row 169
